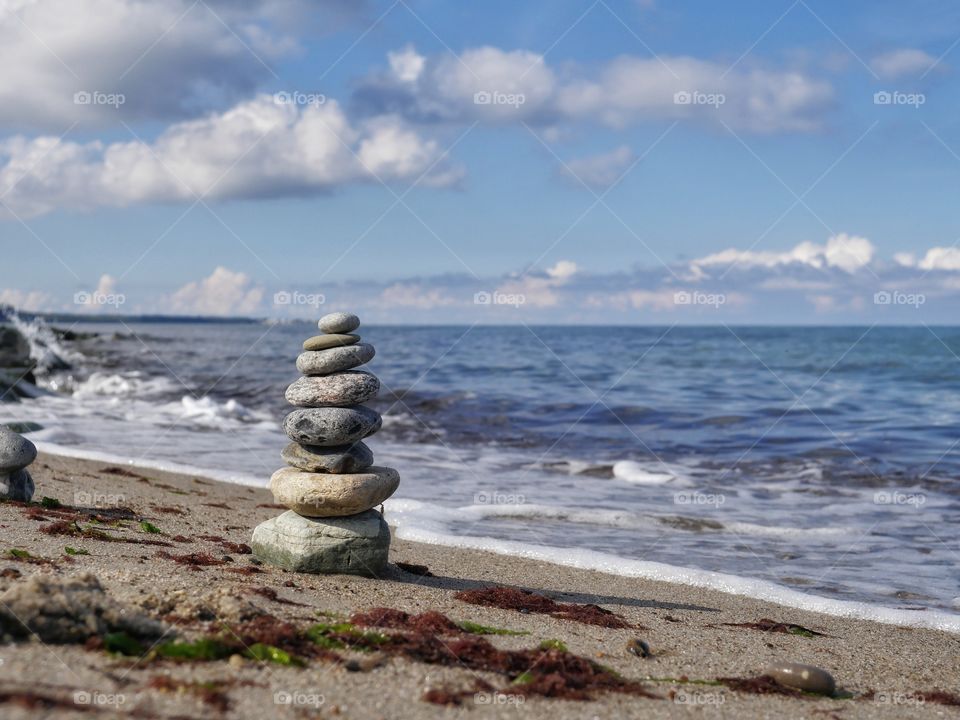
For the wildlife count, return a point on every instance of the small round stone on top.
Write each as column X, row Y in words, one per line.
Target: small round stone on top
column 339, row 322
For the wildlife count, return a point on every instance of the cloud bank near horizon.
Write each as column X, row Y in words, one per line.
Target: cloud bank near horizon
column 841, row 280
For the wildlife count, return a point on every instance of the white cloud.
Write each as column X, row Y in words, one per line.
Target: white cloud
column 754, row 99
column 941, row 258
column 169, row 59
column 443, row 88
column 224, row 292
column 540, row 290
column 29, row 300
column 900, row 63
column 600, row 171
column 842, row 251
column 563, row 270
column 257, row 149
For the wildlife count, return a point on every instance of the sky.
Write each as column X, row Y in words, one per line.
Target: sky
column 589, row 162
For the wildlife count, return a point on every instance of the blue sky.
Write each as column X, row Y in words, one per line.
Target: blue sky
column 636, row 161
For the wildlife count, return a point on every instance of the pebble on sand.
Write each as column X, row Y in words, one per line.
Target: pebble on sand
column 803, row 677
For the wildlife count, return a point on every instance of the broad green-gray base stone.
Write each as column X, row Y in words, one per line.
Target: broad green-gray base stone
column 353, row 545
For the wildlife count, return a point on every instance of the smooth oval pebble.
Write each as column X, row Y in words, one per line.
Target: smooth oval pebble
column 337, row 459
column 339, row 322
column 331, row 495
column 336, row 359
column 16, row 452
column 803, row 677
column 322, row 342
column 331, row 425
column 346, row 388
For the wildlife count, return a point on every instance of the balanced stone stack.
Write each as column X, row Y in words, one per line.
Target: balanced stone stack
column 331, row 484
column 16, row 453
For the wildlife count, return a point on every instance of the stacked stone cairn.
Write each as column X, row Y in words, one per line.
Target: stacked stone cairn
column 331, row 484
column 16, row 453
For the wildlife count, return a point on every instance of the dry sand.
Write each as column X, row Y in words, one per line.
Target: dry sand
column 684, row 626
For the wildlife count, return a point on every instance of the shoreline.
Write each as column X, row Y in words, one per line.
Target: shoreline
column 736, row 585
column 694, row 633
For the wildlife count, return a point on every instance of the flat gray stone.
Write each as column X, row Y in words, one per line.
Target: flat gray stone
column 339, row 322
column 355, row 545
column 332, row 425
column 16, row 451
column 18, row 485
column 803, row 677
column 328, row 495
column 347, row 388
column 337, row 459
column 322, row 342
column 336, row 359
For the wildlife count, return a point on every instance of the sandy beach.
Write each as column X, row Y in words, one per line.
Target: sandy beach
column 171, row 548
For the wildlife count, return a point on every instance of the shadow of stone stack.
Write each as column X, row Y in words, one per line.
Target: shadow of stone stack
column 331, row 484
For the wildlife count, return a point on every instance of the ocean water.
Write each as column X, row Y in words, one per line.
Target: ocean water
column 818, row 467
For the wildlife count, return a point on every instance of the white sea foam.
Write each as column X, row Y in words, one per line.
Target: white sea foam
column 45, row 347
column 420, row 522
column 640, row 474
column 237, row 478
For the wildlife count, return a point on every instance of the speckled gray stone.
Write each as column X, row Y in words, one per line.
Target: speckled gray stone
column 347, row 388
column 339, row 322
column 337, row 359
column 803, row 677
column 327, row 495
column 322, row 342
column 16, row 451
column 355, row 545
column 18, row 485
column 331, row 425
column 337, row 459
